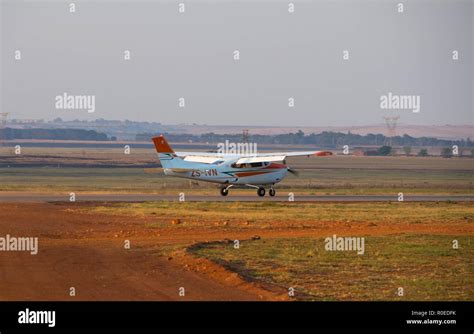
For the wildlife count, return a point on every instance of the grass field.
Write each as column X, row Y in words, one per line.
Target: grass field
column 407, row 245
column 425, row 266
column 339, row 175
column 110, row 170
column 272, row 214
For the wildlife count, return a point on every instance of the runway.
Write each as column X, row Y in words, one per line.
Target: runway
column 44, row 197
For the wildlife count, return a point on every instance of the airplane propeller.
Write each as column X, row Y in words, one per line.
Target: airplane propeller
column 293, row 171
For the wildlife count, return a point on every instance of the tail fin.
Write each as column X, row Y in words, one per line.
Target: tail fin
column 167, row 156
column 162, row 145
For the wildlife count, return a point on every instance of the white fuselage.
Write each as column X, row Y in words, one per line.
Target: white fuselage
column 257, row 174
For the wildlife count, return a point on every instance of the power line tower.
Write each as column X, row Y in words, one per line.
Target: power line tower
column 245, row 135
column 391, row 122
column 122, row 131
column 3, row 123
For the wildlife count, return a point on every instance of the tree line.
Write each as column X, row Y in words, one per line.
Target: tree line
column 324, row 139
column 52, row 134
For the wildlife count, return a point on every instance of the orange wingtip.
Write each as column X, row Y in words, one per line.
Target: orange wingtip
column 162, row 145
column 323, row 153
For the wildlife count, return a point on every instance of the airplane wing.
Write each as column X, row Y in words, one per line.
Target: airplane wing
column 200, row 154
column 268, row 157
column 213, row 157
column 200, row 158
column 205, row 157
column 297, row 154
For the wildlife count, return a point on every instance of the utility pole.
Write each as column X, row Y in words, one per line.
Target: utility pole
column 391, row 122
column 245, row 135
column 3, row 123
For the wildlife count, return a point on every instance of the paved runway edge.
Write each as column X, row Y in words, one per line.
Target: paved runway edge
column 23, row 197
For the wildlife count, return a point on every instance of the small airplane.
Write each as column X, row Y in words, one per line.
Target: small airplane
column 229, row 170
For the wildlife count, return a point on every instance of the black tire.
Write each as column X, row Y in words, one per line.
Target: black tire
column 272, row 192
column 261, row 191
column 224, row 191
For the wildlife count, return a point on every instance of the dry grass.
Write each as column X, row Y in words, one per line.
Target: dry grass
column 425, row 266
column 264, row 213
column 322, row 179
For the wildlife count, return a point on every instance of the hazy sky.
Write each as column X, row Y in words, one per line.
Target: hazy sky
column 282, row 55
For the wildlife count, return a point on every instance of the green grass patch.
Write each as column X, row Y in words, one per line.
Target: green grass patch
column 425, row 266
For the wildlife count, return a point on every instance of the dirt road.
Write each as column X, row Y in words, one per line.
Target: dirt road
column 87, row 251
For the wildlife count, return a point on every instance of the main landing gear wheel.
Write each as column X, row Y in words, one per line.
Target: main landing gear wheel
column 261, row 191
column 224, row 191
column 272, row 192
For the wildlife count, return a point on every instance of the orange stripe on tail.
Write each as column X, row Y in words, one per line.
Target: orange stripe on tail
column 162, row 145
